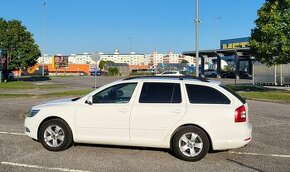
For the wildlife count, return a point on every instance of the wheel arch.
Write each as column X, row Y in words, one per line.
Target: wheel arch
column 195, row 125
column 50, row 118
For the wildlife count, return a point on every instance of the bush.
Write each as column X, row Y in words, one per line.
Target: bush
column 113, row 71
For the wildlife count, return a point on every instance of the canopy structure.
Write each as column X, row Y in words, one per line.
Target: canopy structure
column 238, row 54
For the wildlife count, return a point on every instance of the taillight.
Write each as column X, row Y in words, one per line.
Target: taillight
column 240, row 114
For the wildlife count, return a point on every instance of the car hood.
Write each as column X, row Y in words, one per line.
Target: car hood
column 54, row 102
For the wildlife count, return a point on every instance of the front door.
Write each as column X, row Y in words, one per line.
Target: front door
column 107, row 119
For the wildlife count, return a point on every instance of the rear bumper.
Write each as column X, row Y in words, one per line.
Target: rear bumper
column 236, row 137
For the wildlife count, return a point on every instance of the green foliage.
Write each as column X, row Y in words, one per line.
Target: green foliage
column 103, row 63
column 113, row 71
column 17, row 41
column 283, row 96
column 184, row 61
column 21, row 85
column 270, row 39
column 227, row 69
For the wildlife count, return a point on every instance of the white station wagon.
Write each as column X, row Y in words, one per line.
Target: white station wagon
column 188, row 115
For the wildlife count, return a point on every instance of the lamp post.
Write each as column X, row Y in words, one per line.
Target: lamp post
column 42, row 35
column 196, row 21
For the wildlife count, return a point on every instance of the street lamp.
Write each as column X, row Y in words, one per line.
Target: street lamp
column 42, row 35
column 196, row 21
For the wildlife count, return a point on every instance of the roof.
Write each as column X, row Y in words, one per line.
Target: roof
column 169, row 77
column 221, row 52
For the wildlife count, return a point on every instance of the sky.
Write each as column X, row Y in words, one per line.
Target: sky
column 78, row 26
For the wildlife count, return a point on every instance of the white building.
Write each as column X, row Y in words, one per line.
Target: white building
column 131, row 58
column 84, row 58
column 155, row 58
column 45, row 59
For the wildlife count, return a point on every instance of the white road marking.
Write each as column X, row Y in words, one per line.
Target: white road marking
column 11, row 133
column 41, row 167
column 258, row 154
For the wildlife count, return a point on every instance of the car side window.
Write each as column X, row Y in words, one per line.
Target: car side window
column 160, row 93
column 120, row 93
column 199, row 94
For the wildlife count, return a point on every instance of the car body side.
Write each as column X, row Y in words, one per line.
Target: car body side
column 217, row 121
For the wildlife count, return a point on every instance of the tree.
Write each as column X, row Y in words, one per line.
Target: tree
column 184, row 61
column 270, row 39
column 17, row 41
column 103, row 63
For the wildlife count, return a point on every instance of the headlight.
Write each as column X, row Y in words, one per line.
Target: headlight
column 32, row 113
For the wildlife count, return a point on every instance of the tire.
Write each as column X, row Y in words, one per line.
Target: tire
column 55, row 135
column 190, row 143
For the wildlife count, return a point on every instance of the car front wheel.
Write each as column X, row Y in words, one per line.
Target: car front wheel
column 55, row 135
column 190, row 143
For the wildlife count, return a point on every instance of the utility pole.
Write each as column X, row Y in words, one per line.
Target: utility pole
column 196, row 21
column 42, row 35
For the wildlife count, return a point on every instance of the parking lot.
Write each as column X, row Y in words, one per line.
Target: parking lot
column 268, row 151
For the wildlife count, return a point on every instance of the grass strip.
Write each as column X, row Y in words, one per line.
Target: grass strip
column 67, row 93
column 71, row 93
column 247, row 88
column 267, row 96
column 26, row 85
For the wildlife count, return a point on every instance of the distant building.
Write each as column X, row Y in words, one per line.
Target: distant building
column 129, row 58
column 154, row 59
column 84, row 58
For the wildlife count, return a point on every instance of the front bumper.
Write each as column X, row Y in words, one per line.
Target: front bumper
column 31, row 127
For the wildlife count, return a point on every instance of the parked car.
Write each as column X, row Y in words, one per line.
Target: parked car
column 242, row 75
column 228, row 75
column 7, row 75
column 210, row 73
column 83, row 74
column 185, row 114
column 170, row 73
column 98, row 73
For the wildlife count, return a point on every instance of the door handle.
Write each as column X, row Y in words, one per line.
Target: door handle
column 123, row 110
column 177, row 111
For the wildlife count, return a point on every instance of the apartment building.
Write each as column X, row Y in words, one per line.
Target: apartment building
column 155, row 58
column 129, row 58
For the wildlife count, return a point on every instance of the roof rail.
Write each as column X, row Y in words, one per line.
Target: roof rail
column 178, row 77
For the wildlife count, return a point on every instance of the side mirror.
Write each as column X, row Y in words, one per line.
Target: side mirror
column 89, row 100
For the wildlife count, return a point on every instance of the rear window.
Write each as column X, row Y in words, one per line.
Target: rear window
column 160, row 93
column 199, row 94
column 234, row 93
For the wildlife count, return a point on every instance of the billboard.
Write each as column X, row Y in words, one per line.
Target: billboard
column 59, row 61
column 234, row 43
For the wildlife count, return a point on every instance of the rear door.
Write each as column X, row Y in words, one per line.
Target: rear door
column 157, row 109
column 209, row 105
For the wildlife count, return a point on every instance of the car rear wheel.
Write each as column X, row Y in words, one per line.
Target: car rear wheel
column 190, row 143
column 55, row 135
